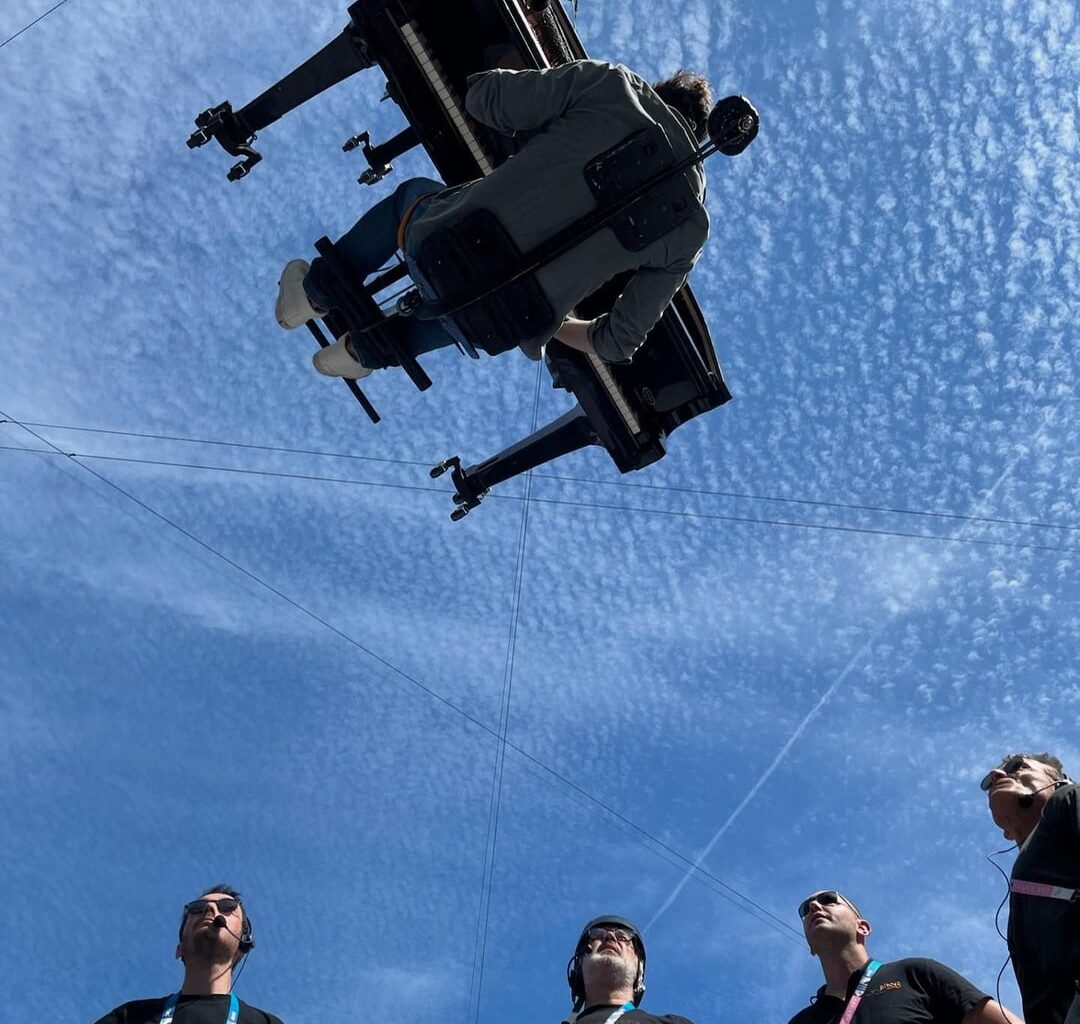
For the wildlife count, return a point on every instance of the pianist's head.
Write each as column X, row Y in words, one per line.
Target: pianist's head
column 689, row 94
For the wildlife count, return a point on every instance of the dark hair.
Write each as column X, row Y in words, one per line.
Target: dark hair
column 1047, row 759
column 227, row 890
column 688, row 93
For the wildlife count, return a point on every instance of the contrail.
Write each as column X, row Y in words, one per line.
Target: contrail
column 823, row 699
column 762, row 779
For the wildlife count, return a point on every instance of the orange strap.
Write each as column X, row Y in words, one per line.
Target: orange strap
column 404, row 225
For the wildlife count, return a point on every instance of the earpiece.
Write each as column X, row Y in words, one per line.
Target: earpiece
column 574, row 979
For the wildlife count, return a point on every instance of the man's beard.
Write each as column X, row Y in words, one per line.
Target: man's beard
column 608, row 970
column 209, row 946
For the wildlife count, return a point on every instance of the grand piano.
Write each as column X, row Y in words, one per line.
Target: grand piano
column 425, row 53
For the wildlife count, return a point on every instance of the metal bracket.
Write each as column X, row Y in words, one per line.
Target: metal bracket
column 377, row 168
column 466, row 496
column 379, row 157
column 222, row 124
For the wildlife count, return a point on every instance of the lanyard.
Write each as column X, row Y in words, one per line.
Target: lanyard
column 616, row 1014
column 1054, row 892
column 856, row 998
column 612, row 1017
column 170, row 1009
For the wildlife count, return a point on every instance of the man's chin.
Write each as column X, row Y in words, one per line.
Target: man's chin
column 210, row 947
column 1003, row 804
column 608, row 969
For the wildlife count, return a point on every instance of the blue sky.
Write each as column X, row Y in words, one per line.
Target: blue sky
column 892, row 285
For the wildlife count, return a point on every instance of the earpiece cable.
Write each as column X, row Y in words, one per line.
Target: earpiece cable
column 997, row 922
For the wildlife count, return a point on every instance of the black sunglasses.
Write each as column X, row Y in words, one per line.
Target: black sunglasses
column 1010, row 767
column 224, row 906
column 826, row 898
column 597, row 933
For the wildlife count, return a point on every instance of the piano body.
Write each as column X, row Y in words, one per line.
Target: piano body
column 426, row 49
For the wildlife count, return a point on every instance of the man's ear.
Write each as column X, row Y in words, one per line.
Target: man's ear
column 862, row 928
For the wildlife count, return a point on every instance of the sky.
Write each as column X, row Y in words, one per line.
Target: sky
column 778, row 660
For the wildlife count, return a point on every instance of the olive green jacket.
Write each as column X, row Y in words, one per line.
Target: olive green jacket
column 569, row 115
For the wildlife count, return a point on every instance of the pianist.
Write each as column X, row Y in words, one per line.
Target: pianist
column 566, row 117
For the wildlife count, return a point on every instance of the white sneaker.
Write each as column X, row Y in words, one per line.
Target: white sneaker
column 294, row 308
column 336, row 361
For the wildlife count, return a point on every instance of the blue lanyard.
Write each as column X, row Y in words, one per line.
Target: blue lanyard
column 619, row 1012
column 170, row 1009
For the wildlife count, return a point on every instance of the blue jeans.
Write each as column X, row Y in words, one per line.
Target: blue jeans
column 367, row 245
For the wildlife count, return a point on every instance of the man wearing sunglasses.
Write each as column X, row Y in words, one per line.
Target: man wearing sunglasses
column 909, row 991
column 606, row 975
column 1036, row 806
column 215, row 936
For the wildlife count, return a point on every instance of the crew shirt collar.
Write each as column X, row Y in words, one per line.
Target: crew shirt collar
column 853, row 981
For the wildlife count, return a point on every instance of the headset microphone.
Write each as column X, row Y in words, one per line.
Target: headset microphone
column 220, row 922
column 1028, row 799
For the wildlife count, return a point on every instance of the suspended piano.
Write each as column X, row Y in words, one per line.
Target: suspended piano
column 425, row 52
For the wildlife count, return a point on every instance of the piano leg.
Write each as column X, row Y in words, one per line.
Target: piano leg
column 235, row 131
column 560, row 437
column 340, row 58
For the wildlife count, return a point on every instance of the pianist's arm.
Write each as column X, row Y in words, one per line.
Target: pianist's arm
column 617, row 335
column 515, row 101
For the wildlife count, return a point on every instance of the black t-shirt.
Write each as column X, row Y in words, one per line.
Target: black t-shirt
column 189, row 1010
column 1044, row 933
column 599, row 1014
column 912, row 991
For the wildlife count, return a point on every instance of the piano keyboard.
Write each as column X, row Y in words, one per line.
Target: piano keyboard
column 437, row 80
column 600, row 368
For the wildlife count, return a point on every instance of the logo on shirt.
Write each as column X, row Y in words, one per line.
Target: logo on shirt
column 886, row 986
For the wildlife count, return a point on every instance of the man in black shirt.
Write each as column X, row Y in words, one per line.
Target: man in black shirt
column 1036, row 806
column 215, row 935
column 606, row 975
column 910, row 991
